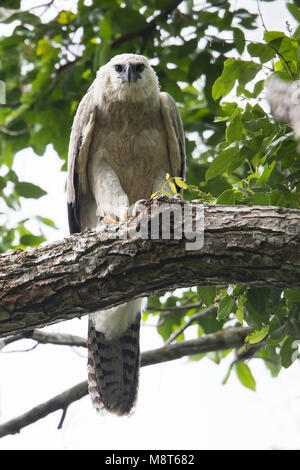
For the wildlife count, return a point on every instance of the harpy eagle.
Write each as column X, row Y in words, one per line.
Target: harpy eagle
column 125, row 137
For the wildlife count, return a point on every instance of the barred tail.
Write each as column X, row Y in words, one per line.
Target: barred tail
column 113, row 369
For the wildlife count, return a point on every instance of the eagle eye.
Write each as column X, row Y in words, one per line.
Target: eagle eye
column 118, row 67
column 140, row 67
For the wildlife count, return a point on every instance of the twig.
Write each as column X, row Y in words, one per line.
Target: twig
column 43, row 337
column 192, row 319
column 22, row 350
column 222, row 340
column 286, row 64
column 260, row 15
column 59, row 339
column 175, row 308
column 21, row 12
column 14, row 104
column 58, row 72
column 64, row 413
column 147, row 29
column 59, row 402
column 14, row 133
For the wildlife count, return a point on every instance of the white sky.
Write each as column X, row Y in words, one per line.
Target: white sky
column 181, row 404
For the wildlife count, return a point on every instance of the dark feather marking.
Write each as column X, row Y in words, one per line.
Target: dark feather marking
column 73, row 208
column 130, row 354
column 74, row 226
column 114, row 366
column 129, row 339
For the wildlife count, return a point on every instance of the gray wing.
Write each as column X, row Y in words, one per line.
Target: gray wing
column 175, row 132
column 284, row 98
column 80, row 139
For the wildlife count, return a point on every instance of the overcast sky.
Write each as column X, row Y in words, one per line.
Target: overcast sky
column 182, row 404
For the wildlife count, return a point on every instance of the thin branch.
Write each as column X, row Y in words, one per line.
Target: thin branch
column 146, row 30
column 14, row 133
column 22, row 350
column 43, row 337
column 228, row 40
column 169, row 310
column 59, row 402
column 58, row 72
column 260, row 15
column 222, row 340
column 175, row 308
column 192, row 319
column 13, row 104
column 21, row 12
column 63, row 416
column 59, row 339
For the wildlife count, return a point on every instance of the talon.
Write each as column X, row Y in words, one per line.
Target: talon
column 138, row 207
column 107, row 219
column 124, row 216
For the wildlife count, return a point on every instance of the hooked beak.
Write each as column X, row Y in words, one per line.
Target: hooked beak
column 130, row 74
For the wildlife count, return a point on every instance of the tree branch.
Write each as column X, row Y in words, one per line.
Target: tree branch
column 59, row 402
column 14, row 104
column 190, row 321
column 145, row 31
column 12, row 13
column 44, row 337
column 7, row 131
column 222, row 340
column 176, row 308
column 103, row 267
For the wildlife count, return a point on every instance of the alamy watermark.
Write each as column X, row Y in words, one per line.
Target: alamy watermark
column 2, row 92
column 165, row 222
column 295, row 345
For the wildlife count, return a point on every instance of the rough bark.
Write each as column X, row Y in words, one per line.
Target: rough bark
column 94, row 270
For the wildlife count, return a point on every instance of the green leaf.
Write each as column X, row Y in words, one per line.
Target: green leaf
column 256, row 306
column 257, row 336
column 225, row 380
column 244, row 375
column 294, row 10
column 239, row 40
column 196, row 357
column 260, row 199
column 234, row 69
column 29, row 190
column 31, row 240
column 271, row 35
column 172, row 186
column 293, row 295
column 46, row 221
column 226, row 306
column 221, row 162
column 207, row 294
column 227, row 198
column 277, row 329
column 179, row 181
column 263, row 51
column 66, row 17
column 289, row 352
column 266, row 173
column 272, row 360
column 234, row 130
column 240, row 313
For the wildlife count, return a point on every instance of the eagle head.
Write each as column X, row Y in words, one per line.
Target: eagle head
column 128, row 77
